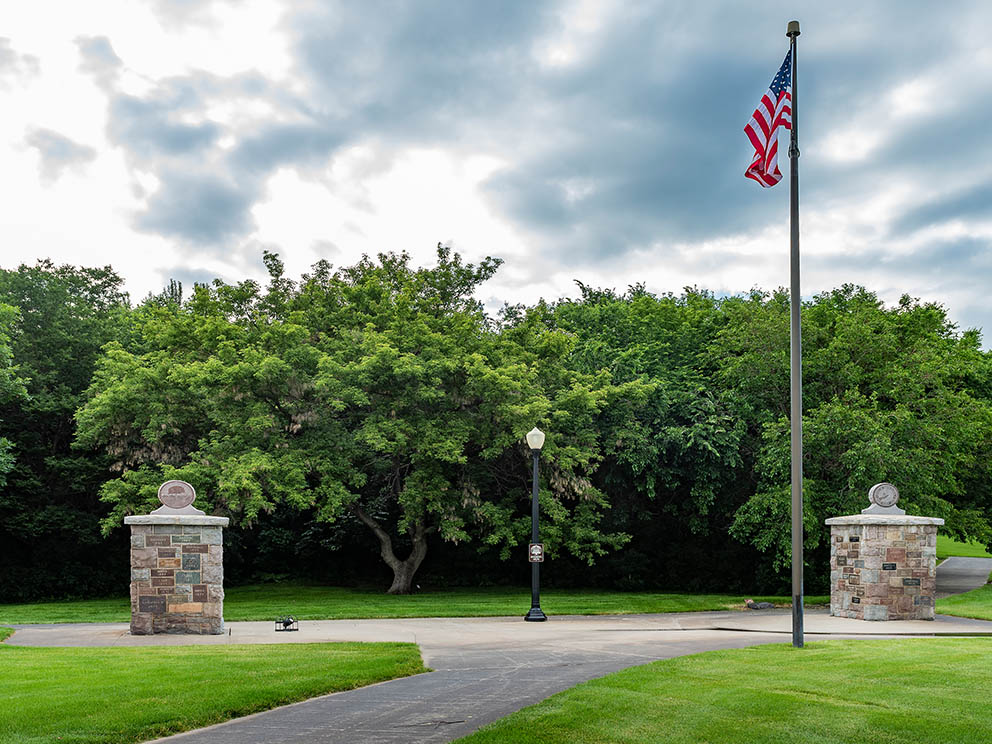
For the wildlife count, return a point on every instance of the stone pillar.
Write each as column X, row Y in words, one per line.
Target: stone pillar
column 883, row 566
column 177, row 568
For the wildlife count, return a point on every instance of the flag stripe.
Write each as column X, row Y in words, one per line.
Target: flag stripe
column 773, row 113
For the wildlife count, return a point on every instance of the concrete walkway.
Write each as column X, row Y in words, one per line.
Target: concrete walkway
column 485, row 668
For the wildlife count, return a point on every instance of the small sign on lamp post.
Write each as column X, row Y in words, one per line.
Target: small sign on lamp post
column 536, row 553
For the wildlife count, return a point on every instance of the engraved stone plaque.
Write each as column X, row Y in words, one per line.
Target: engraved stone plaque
column 176, row 494
column 151, row 604
column 177, row 497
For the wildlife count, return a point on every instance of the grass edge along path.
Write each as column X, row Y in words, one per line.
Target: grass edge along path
column 830, row 692
column 268, row 601
column 975, row 604
column 122, row 695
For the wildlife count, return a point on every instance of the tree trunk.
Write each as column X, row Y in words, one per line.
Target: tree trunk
column 405, row 570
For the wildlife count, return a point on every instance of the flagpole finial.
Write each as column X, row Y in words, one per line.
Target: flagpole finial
column 793, row 29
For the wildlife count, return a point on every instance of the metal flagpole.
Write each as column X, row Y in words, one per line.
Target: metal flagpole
column 795, row 366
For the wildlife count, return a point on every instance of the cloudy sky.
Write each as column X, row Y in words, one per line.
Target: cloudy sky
column 583, row 139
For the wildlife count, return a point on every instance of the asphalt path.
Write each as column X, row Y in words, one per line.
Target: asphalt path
column 956, row 575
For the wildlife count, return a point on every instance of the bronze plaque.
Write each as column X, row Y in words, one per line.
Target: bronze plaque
column 166, row 552
column 176, row 494
column 199, row 592
column 194, row 548
column 164, row 581
column 151, row 604
column 158, row 541
column 160, row 572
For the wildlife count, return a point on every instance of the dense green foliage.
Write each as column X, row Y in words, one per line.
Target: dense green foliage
column 120, row 695
column 829, row 692
column 701, row 478
column 367, row 423
column 50, row 540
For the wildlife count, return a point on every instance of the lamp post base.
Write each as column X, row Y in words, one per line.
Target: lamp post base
column 536, row 615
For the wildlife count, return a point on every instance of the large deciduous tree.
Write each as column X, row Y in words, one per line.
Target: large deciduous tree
column 378, row 391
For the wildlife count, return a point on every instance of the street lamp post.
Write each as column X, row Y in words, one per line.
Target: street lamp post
column 535, row 439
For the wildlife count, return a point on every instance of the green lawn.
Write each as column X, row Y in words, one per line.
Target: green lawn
column 268, row 601
column 976, row 603
column 91, row 695
column 882, row 692
column 947, row 547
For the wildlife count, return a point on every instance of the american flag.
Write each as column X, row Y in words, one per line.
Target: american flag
column 774, row 111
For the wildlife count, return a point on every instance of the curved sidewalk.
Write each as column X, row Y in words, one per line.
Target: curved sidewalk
column 484, row 668
column 958, row 574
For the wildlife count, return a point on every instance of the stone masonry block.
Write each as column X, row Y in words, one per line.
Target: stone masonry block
column 876, row 612
column 212, row 609
column 141, row 623
column 144, row 558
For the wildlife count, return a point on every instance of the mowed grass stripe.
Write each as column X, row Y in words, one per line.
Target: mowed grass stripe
column 116, row 695
column 947, row 547
column 268, row 601
column 913, row 690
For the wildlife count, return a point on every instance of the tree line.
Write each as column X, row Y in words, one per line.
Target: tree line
column 366, row 425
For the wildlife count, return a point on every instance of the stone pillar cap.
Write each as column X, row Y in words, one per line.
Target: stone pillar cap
column 892, row 519
column 187, row 519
